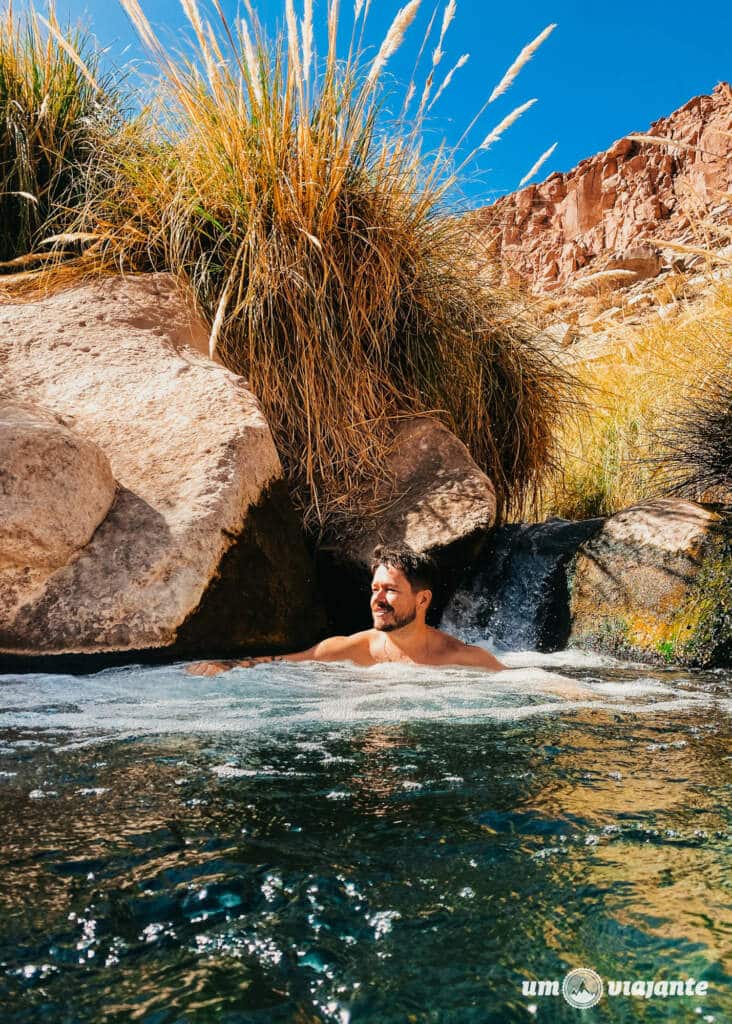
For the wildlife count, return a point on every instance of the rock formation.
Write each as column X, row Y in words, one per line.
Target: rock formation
column 606, row 215
column 654, row 583
column 196, row 547
column 435, row 499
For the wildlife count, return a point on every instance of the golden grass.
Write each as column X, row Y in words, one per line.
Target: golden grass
column 54, row 107
column 317, row 244
column 618, row 451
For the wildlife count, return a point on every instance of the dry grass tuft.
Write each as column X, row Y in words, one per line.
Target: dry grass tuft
column 54, row 110
column 318, row 246
column 657, row 403
column 695, row 443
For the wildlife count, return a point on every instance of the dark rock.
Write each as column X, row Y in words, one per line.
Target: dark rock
column 264, row 596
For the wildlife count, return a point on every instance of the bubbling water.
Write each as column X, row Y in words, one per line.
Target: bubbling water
column 135, row 701
column 359, row 846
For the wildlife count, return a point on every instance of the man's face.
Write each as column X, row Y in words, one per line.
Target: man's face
column 393, row 602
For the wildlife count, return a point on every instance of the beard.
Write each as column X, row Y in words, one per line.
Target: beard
column 396, row 622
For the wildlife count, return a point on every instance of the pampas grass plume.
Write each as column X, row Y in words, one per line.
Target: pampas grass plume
column 448, row 78
column 307, row 38
column 523, row 58
column 393, row 39
column 539, row 163
column 502, row 126
column 447, row 17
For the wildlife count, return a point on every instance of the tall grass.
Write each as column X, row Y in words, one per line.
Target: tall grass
column 317, row 244
column 313, row 234
column 53, row 109
column 648, row 397
column 696, row 443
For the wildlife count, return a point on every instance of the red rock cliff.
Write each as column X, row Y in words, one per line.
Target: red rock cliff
column 602, row 214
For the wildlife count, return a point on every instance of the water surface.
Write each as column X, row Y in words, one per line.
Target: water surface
column 329, row 844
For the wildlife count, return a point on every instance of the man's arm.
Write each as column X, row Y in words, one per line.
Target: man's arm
column 478, row 657
column 334, row 648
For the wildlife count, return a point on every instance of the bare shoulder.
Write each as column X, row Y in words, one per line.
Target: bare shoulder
column 480, row 658
column 457, row 652
column 337, row 648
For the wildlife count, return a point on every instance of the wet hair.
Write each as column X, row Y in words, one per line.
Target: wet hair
column 420, row 570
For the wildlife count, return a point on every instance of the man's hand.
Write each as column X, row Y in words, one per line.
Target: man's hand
column 214, row 668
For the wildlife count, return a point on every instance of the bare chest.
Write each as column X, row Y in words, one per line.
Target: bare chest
column 380, row 651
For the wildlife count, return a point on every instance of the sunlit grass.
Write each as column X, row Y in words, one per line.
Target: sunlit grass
column 54, row 109
column 316, row 240
column 656, row 422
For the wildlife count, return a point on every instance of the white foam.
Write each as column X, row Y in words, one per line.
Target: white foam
column 568, row 658
column 135, row 700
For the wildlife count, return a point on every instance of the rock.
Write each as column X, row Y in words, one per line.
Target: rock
column 639, row 301
column 643, row 260
column 436, row 494
column 55, row 489
column 561, row 333
column 200, row 551
column 435, row 500
column 599, row 214
column 602, row 281
column 656, row 584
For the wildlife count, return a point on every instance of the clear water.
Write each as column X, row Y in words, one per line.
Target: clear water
column 326, row 844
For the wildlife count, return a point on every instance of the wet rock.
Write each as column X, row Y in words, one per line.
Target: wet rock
column 656, row 584
column 200, row 551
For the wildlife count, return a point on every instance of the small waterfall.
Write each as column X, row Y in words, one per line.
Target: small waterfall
column 516, row 593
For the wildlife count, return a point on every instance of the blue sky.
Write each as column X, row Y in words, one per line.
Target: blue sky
column 608, row 69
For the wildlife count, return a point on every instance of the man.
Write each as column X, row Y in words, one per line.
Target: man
column 402, row 586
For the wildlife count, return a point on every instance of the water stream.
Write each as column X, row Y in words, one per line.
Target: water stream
column 517, row 592
column 313, row 843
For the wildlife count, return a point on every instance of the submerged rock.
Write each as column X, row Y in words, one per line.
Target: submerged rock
column 656, row 583
column 435, row 499
column 200, row 550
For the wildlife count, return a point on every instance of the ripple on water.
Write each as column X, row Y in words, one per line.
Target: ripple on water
column 132, row 701
column 381, row 853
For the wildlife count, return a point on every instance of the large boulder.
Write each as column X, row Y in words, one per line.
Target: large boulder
column 198, row 549
column 434, row 498
column 55, row 489
column 656, row 584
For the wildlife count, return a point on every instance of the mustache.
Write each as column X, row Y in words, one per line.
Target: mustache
column 383, row 606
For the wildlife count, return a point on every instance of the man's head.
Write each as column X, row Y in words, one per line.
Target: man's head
column 402, row 586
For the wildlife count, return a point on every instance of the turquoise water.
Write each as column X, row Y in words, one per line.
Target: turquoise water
column 326, row 844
